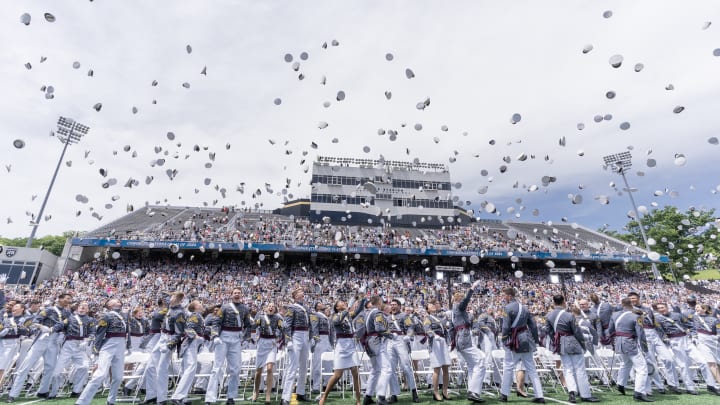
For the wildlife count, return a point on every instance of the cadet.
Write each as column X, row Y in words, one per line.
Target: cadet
column 657, row 350
column 399, row 350
column 345, row 355
column 627, row 328
column 378, row 335
column 462, row 340
column 436, row 330
column 296, row 329
column 111, row 341
column 12, row 327
column 684, row 351
column 319, row 322
column 51, row 323
column 191, row 329
column 79, row 331
column 156, row 373
column 228, row 333
column 520, row 336
column 269, row 327
column 139, row 328
column 570, row 343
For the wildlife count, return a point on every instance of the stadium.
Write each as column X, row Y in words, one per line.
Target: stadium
column 359, row 203
column 348, row 240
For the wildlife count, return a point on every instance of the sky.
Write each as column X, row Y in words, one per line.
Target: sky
column 478, row 62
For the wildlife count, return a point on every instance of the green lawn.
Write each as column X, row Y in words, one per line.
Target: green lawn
column 612, row 398
column 708, row 274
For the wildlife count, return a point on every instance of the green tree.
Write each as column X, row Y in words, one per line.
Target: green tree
column 689, row 238
column 52, row 243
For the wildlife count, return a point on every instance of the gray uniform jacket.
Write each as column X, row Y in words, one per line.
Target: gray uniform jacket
column 568, row 338
column 524, row 336
column 111, row 324
column 297, row 317
column 378, row 329
column 461, row 332
column 233, row 318
column 629, row 335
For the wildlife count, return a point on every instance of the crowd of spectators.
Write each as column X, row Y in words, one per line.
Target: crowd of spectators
column 139, row 282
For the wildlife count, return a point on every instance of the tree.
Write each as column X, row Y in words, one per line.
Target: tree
column 689, row 239
column 52, row 243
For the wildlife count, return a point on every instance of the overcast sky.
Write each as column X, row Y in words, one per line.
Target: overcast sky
column 479, row 62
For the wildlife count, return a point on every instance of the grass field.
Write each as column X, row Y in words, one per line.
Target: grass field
column 611, row 398
column 709, row 274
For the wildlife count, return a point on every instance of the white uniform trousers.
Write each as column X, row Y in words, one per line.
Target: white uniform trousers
column 576, row 378
column 659, row 353
column 685, row 354
column 400, row 358
column 139, row 372
column 230, row 353
column 73, row 353
column 375, row 369
column 8, row 349
column 156, row 371
column 46, row 347
column 189, row 368
column 322, row 346
column 135, row 342
column 111, row 360
column 476, row 368
column 296, row 368
column 710, row 344
column 636, row 361
column 488, row 345
column 386, row 371
column 511, row 362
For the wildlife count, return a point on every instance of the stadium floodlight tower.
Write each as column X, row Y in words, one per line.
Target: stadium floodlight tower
column 620, row 163
column 68, row 132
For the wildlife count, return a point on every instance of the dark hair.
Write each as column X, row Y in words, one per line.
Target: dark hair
column 558, row 299
column 633, row 294
column 335, row 306
column 63, row 295
column 509, row 291
column 625, row 302
column 316, row 305
column 396, row 301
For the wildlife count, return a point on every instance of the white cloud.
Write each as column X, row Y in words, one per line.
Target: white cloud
column 479, row 62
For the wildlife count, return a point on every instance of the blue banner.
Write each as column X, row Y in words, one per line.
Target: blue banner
column 270, row 247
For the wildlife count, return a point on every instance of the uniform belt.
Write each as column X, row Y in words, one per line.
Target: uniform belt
column 115, row 334
column 154, row 330
column 420, row 334
column 137, row 334
column 74, row 337
column 373, row 334
column 11, row 336
column 301, row 329
column 440, row 334
column 231, row 329
column 704, row 332
column 674, row 335
column 267, row 336
column 648, row 327
column 625, row 334
column 460, row 327
column 398, row 332
column 168, row 332
column 324, row 333
column 344, row 336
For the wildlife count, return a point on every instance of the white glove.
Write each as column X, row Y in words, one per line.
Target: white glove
column 407, row 339
column 290, row 346
column 476, row 284
column 217, row 341
column 44, row 329
column 3, row 279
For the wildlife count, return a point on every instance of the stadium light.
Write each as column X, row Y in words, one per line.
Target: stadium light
column 620, row 163
column 68, row 132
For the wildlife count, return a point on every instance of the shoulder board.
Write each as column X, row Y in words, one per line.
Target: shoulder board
column 426, row 322
column 379, row 317
column 193, row 318
column 313, row 317
column 102, row 322
column 220, row 313
column 43, row 313
column 289, row 312
column 163, row 311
